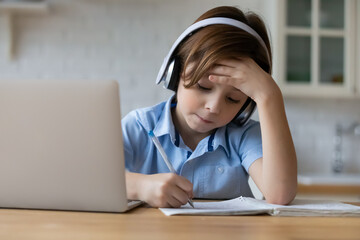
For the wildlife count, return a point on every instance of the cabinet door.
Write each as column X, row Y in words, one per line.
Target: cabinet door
column 318, row 42
column 357, row 57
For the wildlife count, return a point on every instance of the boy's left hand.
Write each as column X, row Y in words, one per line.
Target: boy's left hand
column 247, row 76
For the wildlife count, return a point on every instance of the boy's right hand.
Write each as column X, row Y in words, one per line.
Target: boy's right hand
column 165, row 190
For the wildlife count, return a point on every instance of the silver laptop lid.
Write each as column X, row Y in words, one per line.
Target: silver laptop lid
column 61, row 146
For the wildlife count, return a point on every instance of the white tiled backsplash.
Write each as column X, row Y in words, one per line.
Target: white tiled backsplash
column 127, row 40
column 312, row 123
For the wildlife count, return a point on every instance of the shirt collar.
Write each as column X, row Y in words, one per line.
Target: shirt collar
column 221, row 138
column 165, row 124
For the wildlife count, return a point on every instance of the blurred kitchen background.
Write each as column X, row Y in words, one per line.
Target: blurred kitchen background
column 315, row 53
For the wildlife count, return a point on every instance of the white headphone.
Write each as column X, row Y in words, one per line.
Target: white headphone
column 169, row 71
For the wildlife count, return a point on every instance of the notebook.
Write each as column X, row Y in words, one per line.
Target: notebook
column 252, row 206
column 61, row 146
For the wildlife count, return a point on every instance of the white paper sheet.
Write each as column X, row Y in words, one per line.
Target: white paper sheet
column 251, row 206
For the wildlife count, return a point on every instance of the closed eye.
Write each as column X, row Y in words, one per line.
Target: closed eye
column 233, row 100
column 203, row 88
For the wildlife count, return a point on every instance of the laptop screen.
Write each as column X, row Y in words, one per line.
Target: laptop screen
column 61, row 146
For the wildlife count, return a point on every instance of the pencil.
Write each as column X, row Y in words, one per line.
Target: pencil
column 165, row 158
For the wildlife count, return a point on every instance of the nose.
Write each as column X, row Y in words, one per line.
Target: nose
column 213, row 105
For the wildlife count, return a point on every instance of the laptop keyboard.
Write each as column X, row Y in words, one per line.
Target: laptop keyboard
column 134, row 203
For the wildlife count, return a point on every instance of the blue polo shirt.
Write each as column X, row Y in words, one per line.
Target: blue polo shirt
column 218, row 167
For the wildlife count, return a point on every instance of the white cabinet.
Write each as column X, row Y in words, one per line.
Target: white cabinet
column 357, row 58
column 316, row 52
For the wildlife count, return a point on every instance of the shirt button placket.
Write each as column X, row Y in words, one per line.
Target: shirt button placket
column 187, row 170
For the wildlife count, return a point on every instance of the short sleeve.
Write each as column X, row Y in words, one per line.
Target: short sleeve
column 133, row 139
column 251, row 145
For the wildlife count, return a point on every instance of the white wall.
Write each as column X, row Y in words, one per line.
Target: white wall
column 124, row 40
column 127, row 40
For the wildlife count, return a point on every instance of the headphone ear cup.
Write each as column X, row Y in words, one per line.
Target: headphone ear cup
column 173, row 74
column 245, row 112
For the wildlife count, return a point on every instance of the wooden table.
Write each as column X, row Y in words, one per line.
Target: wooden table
column 150, row 223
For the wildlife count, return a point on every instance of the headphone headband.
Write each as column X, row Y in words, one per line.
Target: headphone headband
column 203, row 23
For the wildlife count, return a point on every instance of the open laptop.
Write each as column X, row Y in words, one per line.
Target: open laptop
column 61, row 146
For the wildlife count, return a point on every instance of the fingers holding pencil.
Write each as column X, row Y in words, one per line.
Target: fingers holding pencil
column 187, row 186
column 166, row 190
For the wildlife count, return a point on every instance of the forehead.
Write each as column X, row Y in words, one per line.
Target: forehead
column 221, row 86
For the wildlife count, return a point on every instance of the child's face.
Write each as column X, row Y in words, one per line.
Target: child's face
column 207, row 105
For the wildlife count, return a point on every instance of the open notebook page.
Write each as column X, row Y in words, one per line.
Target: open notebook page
column 236, row 206
column 251, row 206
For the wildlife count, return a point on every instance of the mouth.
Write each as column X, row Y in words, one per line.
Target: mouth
column 204, row 120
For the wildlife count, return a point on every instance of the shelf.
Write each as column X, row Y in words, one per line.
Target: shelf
column 10, row 9
column 321, row 32
column 24, row 7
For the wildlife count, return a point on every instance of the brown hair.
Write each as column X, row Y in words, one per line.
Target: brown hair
column 218, row 42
